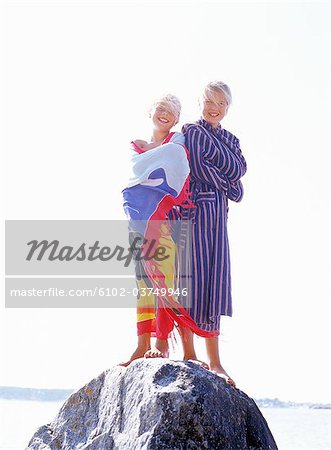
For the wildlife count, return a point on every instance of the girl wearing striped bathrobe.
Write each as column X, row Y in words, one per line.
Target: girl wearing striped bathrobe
column 216, row 164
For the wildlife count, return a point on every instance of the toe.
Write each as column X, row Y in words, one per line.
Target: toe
column 200, row 363
column 124, row 364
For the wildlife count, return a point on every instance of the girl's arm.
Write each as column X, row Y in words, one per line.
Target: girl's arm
column 144, row 145
column 201, row 166
column 235, row 191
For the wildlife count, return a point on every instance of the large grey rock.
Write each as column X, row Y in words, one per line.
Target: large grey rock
column 156, row 404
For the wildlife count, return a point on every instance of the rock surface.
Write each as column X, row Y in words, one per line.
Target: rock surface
column 156, row 404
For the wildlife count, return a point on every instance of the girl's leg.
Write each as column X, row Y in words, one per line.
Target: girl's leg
column 187, row 338
column 164, row 326
column 145, row 309
column 144, row 344
column 165, row 269
column 214, row 358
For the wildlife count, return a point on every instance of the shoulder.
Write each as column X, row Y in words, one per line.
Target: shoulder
column 230, row 136
column 178, row 138
column 140, row 142
column 190, row 127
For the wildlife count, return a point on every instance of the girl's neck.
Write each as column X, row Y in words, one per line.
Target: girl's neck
column 159, row 136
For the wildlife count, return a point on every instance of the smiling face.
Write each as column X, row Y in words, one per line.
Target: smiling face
column 163, row 119
column 214, row 107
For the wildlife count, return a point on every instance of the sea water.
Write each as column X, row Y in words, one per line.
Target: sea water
column 292, row 428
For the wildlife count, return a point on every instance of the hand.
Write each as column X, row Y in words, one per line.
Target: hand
column 140, row 143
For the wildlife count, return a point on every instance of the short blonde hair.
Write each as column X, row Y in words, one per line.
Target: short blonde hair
column 217, row 86
column 170, row 102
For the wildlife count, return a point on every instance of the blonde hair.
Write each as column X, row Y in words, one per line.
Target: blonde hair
column 217, row 86
column 170, row 102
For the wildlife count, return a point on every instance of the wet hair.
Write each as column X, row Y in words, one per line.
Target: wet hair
column 217, row 86
column 169, row 102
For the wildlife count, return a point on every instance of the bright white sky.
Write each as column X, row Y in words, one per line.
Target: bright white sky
column 78, row 78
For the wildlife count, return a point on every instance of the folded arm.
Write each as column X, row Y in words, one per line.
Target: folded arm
column 237, row 160
column 235, row 191
column 202, row 151
column 201, row 167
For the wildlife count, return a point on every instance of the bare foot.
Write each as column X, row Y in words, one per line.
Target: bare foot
column 160, row 350
column 219, row 370
column 194, row 359
column 138, row 353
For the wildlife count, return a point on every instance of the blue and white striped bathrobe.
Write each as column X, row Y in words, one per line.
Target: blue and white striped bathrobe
column 216, row 164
